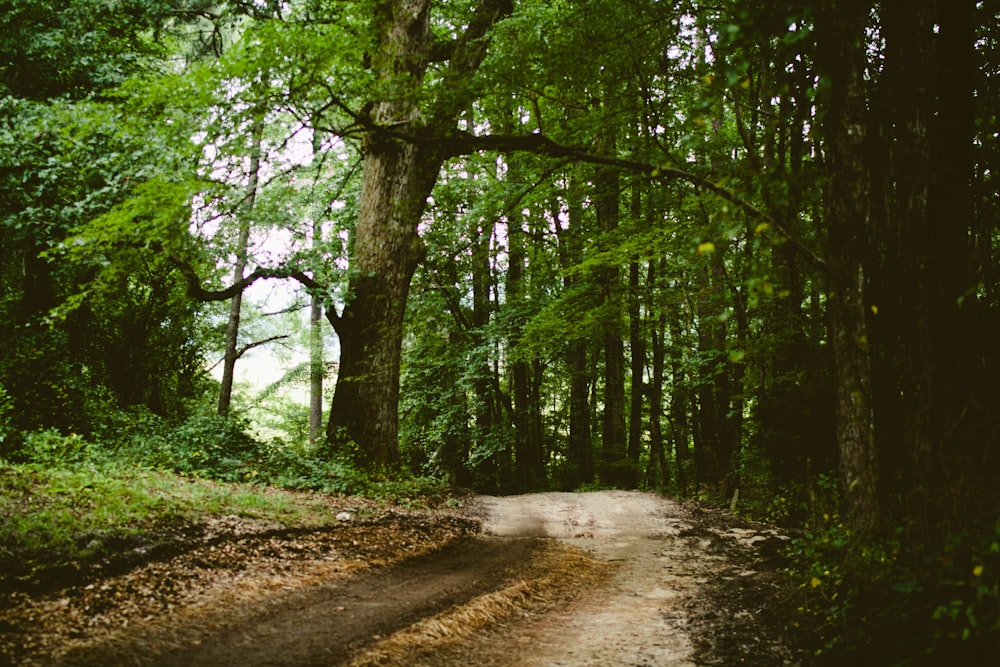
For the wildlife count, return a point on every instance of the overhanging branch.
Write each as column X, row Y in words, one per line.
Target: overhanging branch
column 464, row 143
column 457, row 143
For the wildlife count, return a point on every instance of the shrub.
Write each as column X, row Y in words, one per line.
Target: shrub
column 206, row 445
column 884, row 604
column 51, row 448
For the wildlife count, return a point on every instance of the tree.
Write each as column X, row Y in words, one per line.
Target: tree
column 71, row 155
column 232, row 354
column 397, row 178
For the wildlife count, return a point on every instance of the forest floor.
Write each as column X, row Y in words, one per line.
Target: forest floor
column 602, row 578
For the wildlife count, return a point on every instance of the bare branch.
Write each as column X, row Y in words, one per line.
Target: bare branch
column 257, row 343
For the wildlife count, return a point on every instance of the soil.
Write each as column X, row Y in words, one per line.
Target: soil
column 603, row 578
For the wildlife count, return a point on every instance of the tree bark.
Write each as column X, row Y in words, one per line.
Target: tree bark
column 397, row 178
column 841, row 25
column 364, row 412
column 239, row 269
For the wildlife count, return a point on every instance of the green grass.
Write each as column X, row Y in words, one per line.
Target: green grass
column 56, row 516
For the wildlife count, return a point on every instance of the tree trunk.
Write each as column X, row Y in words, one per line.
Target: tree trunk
column 580, row 446
column 397, row 178
column 963, row 353
column 680, row 424
column 529, row 463
column 396, row 181
column 239, row 269
column 614, row 468
column 714, row 447
column 637, row 350
column 842, row 58
column 486, row 410
column 657, row 446
column 316, row 364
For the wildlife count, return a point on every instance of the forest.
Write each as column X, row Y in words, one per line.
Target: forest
column 738, row 253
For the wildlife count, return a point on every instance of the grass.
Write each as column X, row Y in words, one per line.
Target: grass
column 51, row 517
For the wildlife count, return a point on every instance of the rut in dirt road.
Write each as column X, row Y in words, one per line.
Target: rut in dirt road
column 321, row 625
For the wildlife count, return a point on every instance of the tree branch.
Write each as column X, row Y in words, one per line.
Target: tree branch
column 463, row 143
column 197, row 291
column 257, row 343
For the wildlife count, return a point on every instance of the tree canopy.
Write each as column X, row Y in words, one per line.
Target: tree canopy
column 714, row 248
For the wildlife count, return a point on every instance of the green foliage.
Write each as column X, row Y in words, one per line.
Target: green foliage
column 50, row 48
column 6, row 410
column 882, row 603
column 205, row 445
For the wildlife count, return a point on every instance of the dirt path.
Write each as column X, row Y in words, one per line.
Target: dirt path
column 638, row 617
column 606, row 578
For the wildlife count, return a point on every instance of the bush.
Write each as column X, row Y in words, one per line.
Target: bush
column 52, row 448
column 215, row 448
column 882, row 604
column 206, row 445
column 306, row 469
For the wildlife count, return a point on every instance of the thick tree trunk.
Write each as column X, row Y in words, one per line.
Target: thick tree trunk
column 964, row 356
column 396, row 181
column 842, row 54
column 397, row 178
column 364, row 412
column 614, row 468
column 929, row 126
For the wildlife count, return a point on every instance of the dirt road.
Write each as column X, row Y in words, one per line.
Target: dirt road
column 638, row 617
column 594, row 579
column 651, row 611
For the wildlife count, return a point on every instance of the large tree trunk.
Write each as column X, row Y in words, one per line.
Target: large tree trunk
column 397, row 178
column 614, row 468
column 929, row 125
column 396, row 181
column 364, row 412
column 842, row 58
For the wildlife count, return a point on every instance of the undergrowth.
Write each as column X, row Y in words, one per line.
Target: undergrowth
column 66, row 498
column 883, row 602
